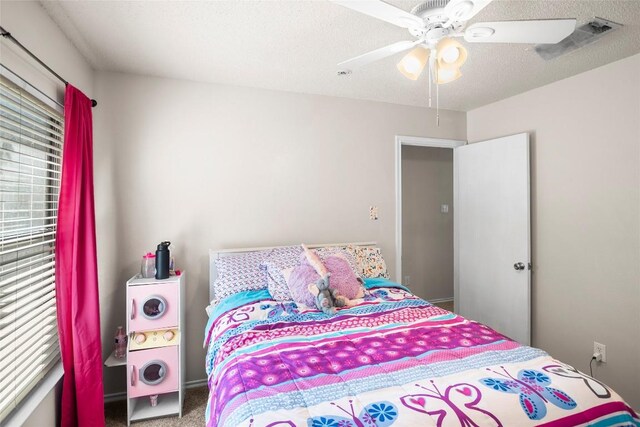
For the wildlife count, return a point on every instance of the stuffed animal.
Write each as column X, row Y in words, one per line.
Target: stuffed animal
column 314, row 261
column 327, row 299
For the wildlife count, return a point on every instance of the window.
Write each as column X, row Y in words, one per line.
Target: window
column 30, row 163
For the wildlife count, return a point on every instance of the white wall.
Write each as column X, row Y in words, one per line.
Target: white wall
column 212, row 166
column 585, row 150
column 21, row 18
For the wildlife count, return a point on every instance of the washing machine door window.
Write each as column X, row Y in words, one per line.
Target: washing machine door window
column 154, row 307
column 153, row 372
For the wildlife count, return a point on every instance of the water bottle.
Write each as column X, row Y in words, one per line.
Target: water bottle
column 120, row 343
column 162, row 261
column 148, row 267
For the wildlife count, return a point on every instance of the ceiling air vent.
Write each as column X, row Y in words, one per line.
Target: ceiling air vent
column 582, row 36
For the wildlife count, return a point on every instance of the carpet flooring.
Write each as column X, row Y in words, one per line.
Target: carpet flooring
column 195, row 402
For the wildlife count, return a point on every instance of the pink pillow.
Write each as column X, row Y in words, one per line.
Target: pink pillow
column 343, row 279
column 299, row 280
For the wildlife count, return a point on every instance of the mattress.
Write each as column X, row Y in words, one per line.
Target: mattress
column 392, row 359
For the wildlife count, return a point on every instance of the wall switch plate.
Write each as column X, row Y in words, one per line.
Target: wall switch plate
column 444, row 208
column 600, row 349
column 373, row 213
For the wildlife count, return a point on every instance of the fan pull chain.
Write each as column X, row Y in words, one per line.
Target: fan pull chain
column 430, row 77
column 437, row 105
column 433, row 74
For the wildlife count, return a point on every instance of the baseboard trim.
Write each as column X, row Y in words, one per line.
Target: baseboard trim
column 438, row 300
column 122, row 395
column 195, row 383
column 114, row 397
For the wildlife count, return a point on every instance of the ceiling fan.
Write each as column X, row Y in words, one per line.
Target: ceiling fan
column 436, row 24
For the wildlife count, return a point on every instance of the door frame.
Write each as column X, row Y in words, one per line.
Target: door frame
column 417, row 141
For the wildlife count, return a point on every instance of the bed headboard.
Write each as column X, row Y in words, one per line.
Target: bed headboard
column 215, row 254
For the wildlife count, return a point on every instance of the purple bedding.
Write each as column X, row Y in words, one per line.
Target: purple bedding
column 391, row 360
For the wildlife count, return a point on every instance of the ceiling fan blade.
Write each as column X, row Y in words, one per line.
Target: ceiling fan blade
column 384, row 11
column 378, row 54
column 463, row 10
column 549, row 31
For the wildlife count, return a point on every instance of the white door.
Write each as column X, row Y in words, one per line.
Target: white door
column 492, row 227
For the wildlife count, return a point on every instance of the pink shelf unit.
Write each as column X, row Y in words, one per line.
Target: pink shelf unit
column 153, row 371
column 154, row 305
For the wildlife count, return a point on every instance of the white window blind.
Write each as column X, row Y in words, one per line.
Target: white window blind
column 30, row 164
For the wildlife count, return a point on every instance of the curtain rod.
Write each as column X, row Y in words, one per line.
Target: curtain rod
column 7, row 35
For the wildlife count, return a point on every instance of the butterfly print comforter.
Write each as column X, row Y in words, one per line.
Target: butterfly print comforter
column 391, row 360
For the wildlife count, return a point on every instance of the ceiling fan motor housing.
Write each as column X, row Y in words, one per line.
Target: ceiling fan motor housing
column 431, row 10
column 433, row 14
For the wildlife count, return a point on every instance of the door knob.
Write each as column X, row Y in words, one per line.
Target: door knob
column 519, row 266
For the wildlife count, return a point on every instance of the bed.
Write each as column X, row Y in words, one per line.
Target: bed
column 392, row 359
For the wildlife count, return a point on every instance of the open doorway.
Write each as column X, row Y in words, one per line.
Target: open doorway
column 425, row 233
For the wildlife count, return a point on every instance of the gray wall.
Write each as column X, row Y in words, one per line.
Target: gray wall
column 214, row 166
column 585, row 151
column 427, row 234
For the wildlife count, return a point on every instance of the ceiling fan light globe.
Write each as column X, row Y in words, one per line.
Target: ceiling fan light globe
column 450, row 54
column 447, row 75
column 411, row 73
column 413, row 63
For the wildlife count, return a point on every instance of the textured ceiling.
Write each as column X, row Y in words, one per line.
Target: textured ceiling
column 295, row 46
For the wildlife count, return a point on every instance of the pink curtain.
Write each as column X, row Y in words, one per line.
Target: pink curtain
column 76, row 271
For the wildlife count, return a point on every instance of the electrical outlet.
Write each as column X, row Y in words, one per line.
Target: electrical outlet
column 600, row 349
column 407, row 280
column 373, row 213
